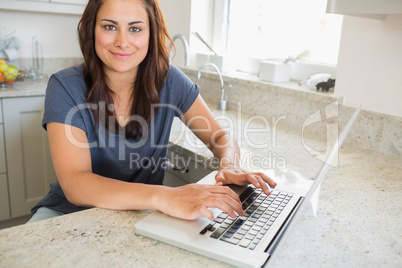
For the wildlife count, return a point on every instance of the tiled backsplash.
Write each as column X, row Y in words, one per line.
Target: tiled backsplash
column 376, row 131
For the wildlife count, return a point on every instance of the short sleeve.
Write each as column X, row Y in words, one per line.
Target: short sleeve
column 183, row 90
column 65, row 101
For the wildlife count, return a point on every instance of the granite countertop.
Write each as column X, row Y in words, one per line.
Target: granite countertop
column 358, row 221
column 357, row 224
column 29, row 87
column 26, row 88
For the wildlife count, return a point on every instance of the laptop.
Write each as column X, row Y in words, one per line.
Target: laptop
column 249, row 241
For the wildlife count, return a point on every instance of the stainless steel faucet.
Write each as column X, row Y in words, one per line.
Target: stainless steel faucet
column 222, row 102
column 37, row 60
column 186, row 49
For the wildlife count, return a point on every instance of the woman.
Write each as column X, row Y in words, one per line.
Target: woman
column 108, row 122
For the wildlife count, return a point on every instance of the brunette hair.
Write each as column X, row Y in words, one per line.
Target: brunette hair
column 151, row 74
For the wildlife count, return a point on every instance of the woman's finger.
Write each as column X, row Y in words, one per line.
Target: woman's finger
column 267, row 179
column 225, row 190
column 263, row 184
column 220, row 177
column 252, row 178
column 204, row 211
column 225, row 204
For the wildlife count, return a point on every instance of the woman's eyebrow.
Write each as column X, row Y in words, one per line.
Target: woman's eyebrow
column 130, row 23
column 136, row 22
column 112, row 21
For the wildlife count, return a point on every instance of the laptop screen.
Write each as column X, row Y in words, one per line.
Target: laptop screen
column 297, row 161
column 331, row 160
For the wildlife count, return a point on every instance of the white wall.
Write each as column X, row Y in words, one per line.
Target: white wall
column 202, row 22
column 370, row 57
column 177, row 16
column 56, row 32
column 187, row 16
column 370, row 64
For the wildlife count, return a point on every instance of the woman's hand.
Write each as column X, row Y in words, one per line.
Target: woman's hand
column 193, row 200
column 232, row 175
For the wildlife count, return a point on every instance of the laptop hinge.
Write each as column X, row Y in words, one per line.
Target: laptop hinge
column 271, row 247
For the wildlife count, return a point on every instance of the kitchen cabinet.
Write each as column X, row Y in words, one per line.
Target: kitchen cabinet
column 29, row 165
column 4, row 198
column 74, row 7
column 377, row 9
column 4, row 203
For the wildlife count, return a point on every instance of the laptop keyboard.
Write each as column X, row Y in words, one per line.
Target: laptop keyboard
column 247, row 231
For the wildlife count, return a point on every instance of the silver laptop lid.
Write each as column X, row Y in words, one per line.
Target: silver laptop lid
column 185, row 234
column 321, row 174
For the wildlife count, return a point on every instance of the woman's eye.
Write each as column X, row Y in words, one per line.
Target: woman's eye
column 110, row 27
column 135, row 29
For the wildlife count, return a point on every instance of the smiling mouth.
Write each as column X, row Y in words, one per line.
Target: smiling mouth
column 121, row 55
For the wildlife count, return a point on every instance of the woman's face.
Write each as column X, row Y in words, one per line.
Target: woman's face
column 122, row 35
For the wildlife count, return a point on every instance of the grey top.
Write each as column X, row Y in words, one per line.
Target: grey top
column 141, row 160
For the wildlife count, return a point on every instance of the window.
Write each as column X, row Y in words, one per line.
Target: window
column 279, row 29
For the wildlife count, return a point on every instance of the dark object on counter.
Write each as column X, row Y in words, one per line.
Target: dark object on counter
column 326, row 85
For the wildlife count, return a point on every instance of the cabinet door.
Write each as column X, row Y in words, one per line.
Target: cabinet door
column 29, row 166
column 75, row 7
column 365, row 8
column 4, row 204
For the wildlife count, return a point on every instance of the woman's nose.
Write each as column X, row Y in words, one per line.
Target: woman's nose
column 121, row 40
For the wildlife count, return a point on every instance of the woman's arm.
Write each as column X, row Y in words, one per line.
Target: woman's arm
column 201, row 121
column 72, row 162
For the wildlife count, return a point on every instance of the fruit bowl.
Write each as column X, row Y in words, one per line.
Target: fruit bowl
column 9, row 73
column 2, row 80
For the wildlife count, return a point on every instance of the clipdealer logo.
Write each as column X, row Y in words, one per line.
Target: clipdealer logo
column 329, row 116
column 255, row 132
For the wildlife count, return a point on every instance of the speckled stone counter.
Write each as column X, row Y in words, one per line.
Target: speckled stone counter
column 27, row 87
column 93, row 238
column 358, row 222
